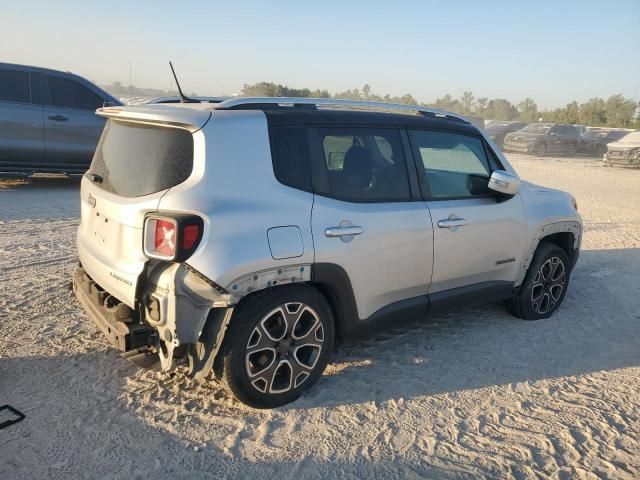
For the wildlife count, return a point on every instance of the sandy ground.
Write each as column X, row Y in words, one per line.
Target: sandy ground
column 474, row 394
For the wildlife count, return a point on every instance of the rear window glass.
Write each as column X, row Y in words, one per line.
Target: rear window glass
column 135, row 160
column 14, row 86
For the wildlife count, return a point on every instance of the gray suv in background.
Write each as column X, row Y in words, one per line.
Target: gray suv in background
column 47, row 120
column 543, row 138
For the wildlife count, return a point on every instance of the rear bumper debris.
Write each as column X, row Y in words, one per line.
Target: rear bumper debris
column 119, row 323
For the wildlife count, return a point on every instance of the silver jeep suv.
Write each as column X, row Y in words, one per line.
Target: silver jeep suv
column 248, row 237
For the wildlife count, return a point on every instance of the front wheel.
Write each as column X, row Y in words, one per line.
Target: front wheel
column 545, row 284
column 279, row 343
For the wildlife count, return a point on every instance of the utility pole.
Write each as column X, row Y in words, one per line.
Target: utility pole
column 130, row 82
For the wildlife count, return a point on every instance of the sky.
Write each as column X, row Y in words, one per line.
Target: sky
column 553, row 51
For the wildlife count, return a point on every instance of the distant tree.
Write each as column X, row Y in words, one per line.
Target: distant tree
column 405, row 99
column 448, row 103
column 320, row 94
column 366, row 91
column 501, row 109
column 267, row 89
column 620, row 111
column 466, row 102
column 528, row 110
column 593, row 112
column 572, row 114
column 616, row 111
column 481, row 107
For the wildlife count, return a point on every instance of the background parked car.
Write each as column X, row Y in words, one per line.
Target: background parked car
column 625, row 152
column 47, row 120
column 594, row 141
column 542, row 138
column 497, row 130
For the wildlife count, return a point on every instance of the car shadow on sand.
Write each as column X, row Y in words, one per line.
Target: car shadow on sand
column 94, row 414
column 596, row 328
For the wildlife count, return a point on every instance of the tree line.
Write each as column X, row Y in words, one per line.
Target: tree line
column 616, row 111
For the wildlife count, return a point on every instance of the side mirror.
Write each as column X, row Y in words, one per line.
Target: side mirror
column 504, row 182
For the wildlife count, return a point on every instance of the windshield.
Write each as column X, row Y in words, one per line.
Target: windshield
column 633, row 137
column 537, row 128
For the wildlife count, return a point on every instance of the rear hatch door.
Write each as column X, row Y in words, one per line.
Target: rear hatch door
column 135, row 164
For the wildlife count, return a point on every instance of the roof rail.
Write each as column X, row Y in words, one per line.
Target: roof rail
column 333, row 102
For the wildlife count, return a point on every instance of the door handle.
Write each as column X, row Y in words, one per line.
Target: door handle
column 452, row 222
column 58, row 118
column 343, row 231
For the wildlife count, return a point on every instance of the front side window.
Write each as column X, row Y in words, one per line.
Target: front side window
column 14, row 86
column 453, row 165
column 70, row 94
column 363, row 164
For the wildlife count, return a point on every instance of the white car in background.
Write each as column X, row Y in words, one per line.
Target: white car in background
column 625, row 152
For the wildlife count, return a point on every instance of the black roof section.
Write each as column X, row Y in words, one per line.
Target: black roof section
column 303, row 115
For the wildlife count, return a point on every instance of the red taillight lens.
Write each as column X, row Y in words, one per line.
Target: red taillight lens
column 173, row 238
column 165, row 238
column 190, row 235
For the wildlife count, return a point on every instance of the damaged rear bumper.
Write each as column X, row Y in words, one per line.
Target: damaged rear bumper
column 119, row 323
column 174, row 304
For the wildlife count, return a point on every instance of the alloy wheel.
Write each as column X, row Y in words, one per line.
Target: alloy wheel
column 548, row 285
column 284, row 348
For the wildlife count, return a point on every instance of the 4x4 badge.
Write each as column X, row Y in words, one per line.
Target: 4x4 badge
column 91, row 200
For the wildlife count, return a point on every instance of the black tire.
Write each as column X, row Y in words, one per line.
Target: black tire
column 540, row 150
column 529, row 302
column 253, row 323
column 600, row 150
column 571, row 150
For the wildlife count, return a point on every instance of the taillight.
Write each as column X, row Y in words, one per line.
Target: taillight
column 172, row 238
column 164, row 237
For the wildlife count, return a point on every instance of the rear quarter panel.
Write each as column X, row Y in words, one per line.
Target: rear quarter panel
column 234, row 189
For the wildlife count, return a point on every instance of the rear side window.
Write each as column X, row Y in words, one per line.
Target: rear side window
column 290, row 154
column 70, row 94
column 14, row 86
column 454, row 165
column 135, row 160
column 362, row 164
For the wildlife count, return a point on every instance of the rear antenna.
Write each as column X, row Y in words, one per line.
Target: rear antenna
column 183, row 97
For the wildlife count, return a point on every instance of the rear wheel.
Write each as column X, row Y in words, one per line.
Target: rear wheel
column 278, row 345
column 540, row 150
column 545, row 284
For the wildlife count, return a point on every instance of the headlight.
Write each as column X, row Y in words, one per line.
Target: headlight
column 635, row 154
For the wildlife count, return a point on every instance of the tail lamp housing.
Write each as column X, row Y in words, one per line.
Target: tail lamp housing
column 173, row 237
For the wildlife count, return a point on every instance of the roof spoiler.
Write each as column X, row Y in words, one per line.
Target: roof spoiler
column 168, row 116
